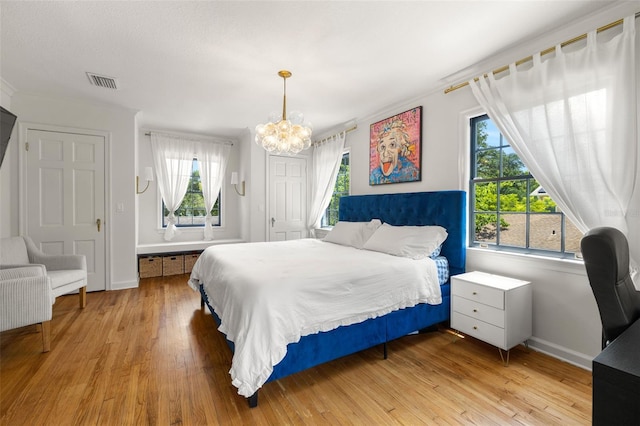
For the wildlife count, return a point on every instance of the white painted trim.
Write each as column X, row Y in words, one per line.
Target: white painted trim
column 609, row 13
column 195, row 136
column 23, row 128
column 561, row 353
column 182, row 246
column 267, row 200
column 566, row 266
column 123, row 285
column 7, row 87
column 464, row 144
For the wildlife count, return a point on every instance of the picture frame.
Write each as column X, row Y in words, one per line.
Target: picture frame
column 395, row 148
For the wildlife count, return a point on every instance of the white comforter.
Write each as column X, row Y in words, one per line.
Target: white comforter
column 268, row 295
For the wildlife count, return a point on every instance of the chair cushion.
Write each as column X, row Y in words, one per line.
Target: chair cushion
column 60, row 278
column 13, row 251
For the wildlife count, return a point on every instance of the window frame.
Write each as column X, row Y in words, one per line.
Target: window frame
column 324, row 222
column 163, row 223
column 529, row 178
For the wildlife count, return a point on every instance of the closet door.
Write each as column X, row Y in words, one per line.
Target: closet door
column 287, row 198
column 65, row 197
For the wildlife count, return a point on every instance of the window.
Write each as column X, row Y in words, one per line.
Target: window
column 341, row 188
column 192, row 212
column 508, row 208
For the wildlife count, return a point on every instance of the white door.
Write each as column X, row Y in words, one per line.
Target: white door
column 65, row 197
column 287, row 198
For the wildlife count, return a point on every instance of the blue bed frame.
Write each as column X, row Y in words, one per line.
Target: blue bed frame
column 444, row 208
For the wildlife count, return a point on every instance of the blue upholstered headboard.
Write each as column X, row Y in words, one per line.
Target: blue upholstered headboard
column 444, row 208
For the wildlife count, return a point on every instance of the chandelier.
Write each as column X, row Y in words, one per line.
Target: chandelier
column 286, row 136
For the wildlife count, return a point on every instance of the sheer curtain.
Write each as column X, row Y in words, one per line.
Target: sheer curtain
column 572, row 120
column 172, row 158
column 212, row 158
column 327, row 156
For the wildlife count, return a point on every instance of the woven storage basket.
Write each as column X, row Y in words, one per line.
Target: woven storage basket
column 173, row 265
column 150, row 266
column 189, row 261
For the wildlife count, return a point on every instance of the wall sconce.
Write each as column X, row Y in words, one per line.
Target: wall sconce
column 148, row 175
column 234, row 182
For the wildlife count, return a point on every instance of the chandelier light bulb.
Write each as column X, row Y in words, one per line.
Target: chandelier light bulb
column 288, row 135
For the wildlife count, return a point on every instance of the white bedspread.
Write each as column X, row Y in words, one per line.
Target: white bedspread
column 268, row 295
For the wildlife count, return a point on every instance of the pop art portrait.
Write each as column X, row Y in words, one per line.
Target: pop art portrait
column 395, row 148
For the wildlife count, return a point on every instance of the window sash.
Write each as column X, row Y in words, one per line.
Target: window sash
column 331, row 213
column 189, row 220
column 489, row 224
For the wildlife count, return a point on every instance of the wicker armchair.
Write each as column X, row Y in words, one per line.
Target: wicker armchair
column 67, row 272
column 25, row 299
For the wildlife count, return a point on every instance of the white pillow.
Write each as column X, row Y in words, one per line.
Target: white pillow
column 415, row 242
column 353, row 234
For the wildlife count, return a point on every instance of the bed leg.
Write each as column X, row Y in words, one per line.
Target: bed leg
column 429, row 329
column 253, row 400
column 384, row 350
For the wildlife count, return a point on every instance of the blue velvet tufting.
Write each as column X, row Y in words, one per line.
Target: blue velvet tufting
column 444, row 208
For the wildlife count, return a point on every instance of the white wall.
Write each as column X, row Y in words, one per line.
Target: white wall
column 8, row 173
column 244, row 171
column 566, row 322
column 150, row 231
column 565, row 317
column 257, row 191
column 120, row 124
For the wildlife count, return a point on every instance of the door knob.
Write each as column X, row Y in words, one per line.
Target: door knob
column 98, row 223
column 273, row 221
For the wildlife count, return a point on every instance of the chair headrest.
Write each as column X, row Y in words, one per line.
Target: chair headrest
column 607, row 247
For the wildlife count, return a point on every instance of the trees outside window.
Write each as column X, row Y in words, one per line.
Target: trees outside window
column 341, row 188
column 191, row 212
column 508, row 208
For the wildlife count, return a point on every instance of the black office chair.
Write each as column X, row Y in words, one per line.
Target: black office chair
column 605, row 252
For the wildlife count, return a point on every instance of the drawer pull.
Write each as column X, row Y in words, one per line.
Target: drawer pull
column 475, row 310
column 474, row 293
column 475, row 327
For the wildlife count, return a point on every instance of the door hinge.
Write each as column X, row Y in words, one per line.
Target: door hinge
column 26, row 146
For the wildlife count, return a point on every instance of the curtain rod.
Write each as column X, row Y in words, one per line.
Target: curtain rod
column 350, row 129
column 190, row 138
column 542, row 53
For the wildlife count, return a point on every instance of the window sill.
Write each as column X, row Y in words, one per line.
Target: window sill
column 191, row 229
column 181, row 246
column 322, row 232
column 575, row 266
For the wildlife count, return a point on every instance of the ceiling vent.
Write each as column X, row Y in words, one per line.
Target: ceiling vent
column 103, row 81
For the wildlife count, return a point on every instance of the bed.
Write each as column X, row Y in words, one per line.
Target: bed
column 334, row 339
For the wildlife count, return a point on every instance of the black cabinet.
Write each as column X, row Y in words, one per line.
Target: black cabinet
column 616, row 381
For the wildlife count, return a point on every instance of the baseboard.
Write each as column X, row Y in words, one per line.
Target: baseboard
column 561, row 353
column 122, row 285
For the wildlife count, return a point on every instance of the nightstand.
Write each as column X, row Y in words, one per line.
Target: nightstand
column 492, row 308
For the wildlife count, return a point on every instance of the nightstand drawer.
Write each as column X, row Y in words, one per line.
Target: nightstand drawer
column 479, row 293
column 479, row 329
column 479, row 311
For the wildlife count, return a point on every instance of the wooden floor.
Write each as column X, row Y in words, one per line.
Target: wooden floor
column 151, row 356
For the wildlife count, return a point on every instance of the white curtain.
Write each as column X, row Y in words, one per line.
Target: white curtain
column 173, row 158
column 327, row 156
column 571, row 118
column 212, row 158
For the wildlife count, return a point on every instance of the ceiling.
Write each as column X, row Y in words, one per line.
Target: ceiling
column 210, row 67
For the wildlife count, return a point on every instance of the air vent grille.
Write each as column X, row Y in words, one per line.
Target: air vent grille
column 103, row 81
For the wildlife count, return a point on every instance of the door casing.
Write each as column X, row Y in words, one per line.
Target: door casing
column 283, row 229
column 24, row 128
